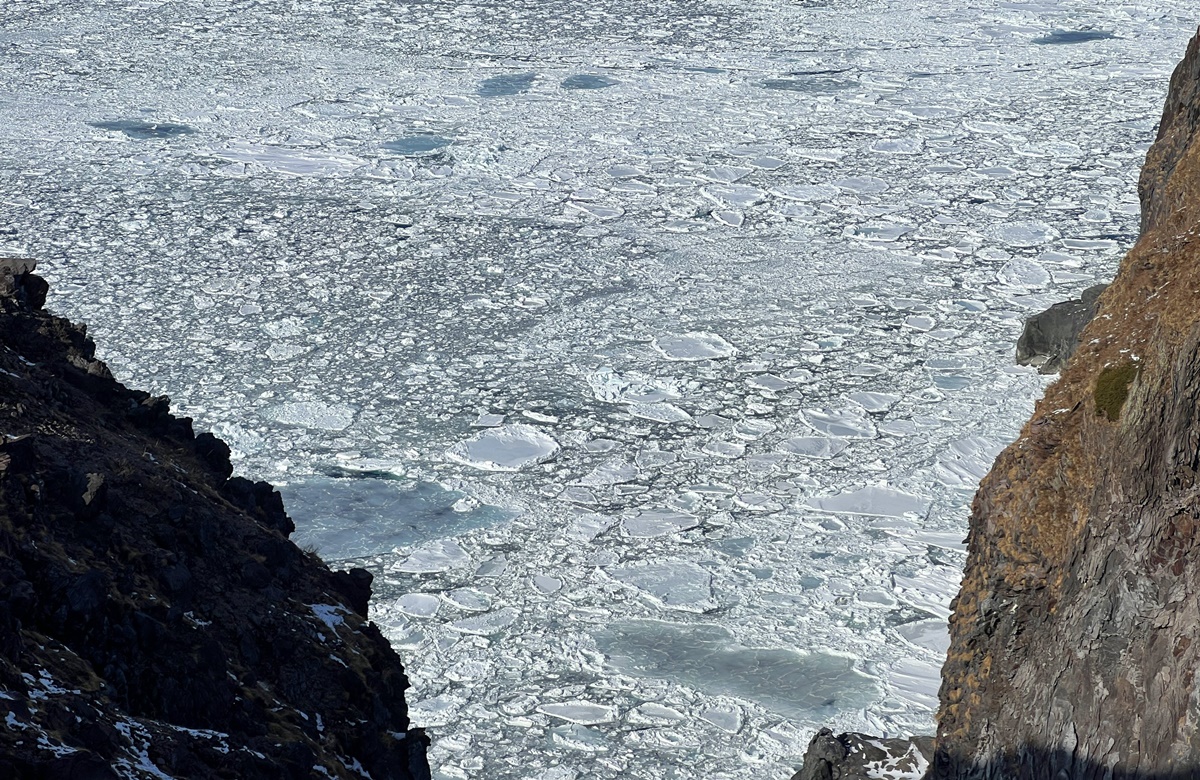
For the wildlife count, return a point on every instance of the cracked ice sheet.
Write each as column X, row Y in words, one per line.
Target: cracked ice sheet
column 435, row 215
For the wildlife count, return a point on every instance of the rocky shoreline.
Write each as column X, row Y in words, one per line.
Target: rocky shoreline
column 157, row 621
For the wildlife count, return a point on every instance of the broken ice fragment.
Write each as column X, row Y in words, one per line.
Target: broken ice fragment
column 505, row 448
column 814, row 447
column 675, row 584
column 650, row 523
column 313, row 414
column 584, row 713
column 694, row 346
column 846, row 423
column 872, row 500
column 486, row 624
column 434, row 557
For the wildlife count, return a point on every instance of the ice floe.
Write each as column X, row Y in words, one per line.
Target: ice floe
column 505, row 448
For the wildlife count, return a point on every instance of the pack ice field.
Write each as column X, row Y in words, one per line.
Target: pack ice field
column 648, row 353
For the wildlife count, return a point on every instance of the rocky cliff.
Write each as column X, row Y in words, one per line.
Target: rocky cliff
column 1076, row 636
column 155, row 621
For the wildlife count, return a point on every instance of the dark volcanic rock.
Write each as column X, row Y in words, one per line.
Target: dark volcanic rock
column 154, row 612
column 853, row 756
column 1049, row 337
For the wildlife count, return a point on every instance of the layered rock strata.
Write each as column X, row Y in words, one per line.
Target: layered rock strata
column 155, row 620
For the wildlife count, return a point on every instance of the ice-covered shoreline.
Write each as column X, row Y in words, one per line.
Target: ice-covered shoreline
column 756, row 298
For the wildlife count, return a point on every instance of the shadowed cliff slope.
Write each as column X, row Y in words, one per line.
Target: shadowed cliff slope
column 1076, row 636
column 155, row 621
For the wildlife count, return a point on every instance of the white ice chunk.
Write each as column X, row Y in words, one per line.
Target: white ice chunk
column 488, row 421
column 506, row 448
column 807, row 193
column 588, row 527
column 650, row 523
column 767, row 163
column 468, row 599
column 1020, row 272
column 422, row 605
column 433, row 557
column 727, row 718
column 931, row 591
column 289, row 161
column 681, row 585
column 725, row 449
column 694, row 346
column 547, row 584
column 916, row 681
column 576, row 737
column 875, row 402
column 611, row 472
column 932, row 635
column 862, row 185
column 845, row 423
column 486, row 624
column 738, row 196
column 872, row 500
column 313, row 414
column 585, row 713
column 814, row 446
column 1024, row 234
column 726, row 174
column 624, row 171
column 729, row 217
column 769, row 382
column 966, row 462
column 653, row 712
column 659, row 412
column 899, row 146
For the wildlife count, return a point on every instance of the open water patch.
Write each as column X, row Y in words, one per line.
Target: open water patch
column 588, row 81
column 508, row 84
column 817, row 85
column 414, row 145
column 144, row 131
column 794, row 684
column 352, row 517
column 1065, row 37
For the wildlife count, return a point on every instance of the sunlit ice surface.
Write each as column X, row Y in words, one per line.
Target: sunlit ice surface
column 648, row 353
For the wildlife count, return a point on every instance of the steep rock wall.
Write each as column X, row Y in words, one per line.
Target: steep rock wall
column 155, row 621
column 1075, row 638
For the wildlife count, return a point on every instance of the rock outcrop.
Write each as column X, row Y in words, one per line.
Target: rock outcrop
column 1076, row 636
column 155, row 620
column 1049, row 337
column 1075, row 639
column 853, row 756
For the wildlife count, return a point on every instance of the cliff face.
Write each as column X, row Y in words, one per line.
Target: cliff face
column 1076, row 636
column 155, row 621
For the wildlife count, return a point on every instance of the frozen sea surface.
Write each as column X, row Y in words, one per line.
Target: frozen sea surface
column 649, row 353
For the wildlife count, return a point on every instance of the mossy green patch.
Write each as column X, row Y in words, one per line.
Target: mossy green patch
column 1112, row 388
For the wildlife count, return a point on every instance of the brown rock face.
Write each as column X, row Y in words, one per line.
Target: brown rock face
column 1075, row 640
column 155, row 621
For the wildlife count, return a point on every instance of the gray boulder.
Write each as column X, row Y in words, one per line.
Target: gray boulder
column 853, row 756
column 1050, row 337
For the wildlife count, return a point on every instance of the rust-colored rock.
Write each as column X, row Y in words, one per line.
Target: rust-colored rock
column 1073, row 641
